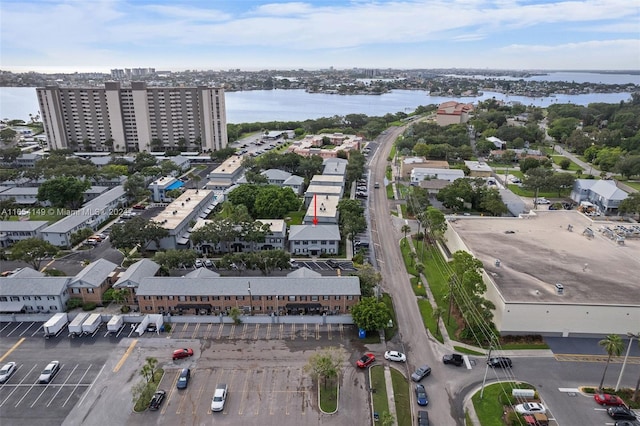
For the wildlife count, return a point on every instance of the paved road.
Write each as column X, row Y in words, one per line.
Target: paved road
column 412, row 337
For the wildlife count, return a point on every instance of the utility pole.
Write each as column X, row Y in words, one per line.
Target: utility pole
column 486, row 370
column 624, row 363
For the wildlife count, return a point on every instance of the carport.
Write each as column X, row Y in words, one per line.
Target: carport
column 303, row 308
column 198, row 309
column 11, row 307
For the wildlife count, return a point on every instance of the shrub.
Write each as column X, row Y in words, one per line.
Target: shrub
column 73, row 303
column 167, row 327
column 89, row 306
column 125, row 309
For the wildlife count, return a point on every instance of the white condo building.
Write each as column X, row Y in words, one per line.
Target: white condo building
column 132, row 117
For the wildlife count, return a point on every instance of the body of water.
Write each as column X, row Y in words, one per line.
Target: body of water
column 569, row 76
column 298, row 105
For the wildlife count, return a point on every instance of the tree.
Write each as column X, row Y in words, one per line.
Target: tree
column 352, row 220
column 387, row 419
column 137, row 232
column 173, row 259
column 405, row 230
column 436, row 221
column 369, row 279
column 324, row 365
column 64, row 191
column 561, row 182
column 149, row 368
column 436, row 315
column 8, row 207
column 136, row 187
column 81, row 235
column 454, row 195
column 142, row 160
column 369, row 314
column 628, row 166
column 492, row 203
column 7, row 135
column 631, row 204
column 235, row 313
column 565, row 163
column 32, row 251
column 612, row 345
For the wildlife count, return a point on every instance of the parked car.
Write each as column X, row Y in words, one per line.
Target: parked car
column 541, row 201
column 199, row 263
column 395, row 356
column 421, row 373
column 621, row 413
column 333, row 263
column 530, row 408
column 627, row 423
column 142, row 206
column 421, row 395
column 182, row 353
column 455, row 359
column 208, row 263
column 157, row 399
column 183, row 379
column 366, row 360
column 423, row 418
column 7, row 370
column 49, row 372
column 219, row 397
column 499, row 361
column 606, row 399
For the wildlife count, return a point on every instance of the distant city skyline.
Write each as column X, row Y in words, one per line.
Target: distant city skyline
column 99, row 35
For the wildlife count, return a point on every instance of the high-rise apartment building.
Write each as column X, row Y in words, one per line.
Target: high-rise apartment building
column 136, row 118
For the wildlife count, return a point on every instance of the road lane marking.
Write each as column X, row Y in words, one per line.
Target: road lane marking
column 260, row 385
column 329, row 332
column 268, row 331
column 232, row 331
column 171, row 389
column 76, row 386
column 255, row 333
column 220, row 331
column 244, row 331
column 245, row 390
column 12, row 348
column 207, row 333
column 317, row 331
column 195, row 331
column 293, row 331
column 38, row 330
column 125, row 356
column 281, row 333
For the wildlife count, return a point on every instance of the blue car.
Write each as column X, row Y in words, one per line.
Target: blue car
column 421, row 395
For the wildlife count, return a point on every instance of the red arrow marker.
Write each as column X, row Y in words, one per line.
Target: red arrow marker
column 315, row 209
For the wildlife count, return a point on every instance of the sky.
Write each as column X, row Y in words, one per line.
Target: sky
column 99, row 35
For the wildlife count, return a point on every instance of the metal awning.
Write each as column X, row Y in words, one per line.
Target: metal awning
column 11, row 307
column 194, row 306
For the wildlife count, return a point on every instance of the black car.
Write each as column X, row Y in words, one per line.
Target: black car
column 621, row 413
column 455, row 359
column 499, row 362
column 423, row 418
column 627, row 423
column 183, row 380
column 157, row 399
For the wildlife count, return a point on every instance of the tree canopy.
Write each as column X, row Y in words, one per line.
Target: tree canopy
column 32, row 251
column 369, row 314
column 63, row 191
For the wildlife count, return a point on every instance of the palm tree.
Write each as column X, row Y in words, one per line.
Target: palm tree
column 437, row 314
column 613, row 345
column 405, row 229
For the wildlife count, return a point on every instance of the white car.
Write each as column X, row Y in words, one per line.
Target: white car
column 219, row 397
column 542, row 201
column 208, row 263
column 530, row 408
column 7, row 370
column 199, row 264
column 49, row 372
column 395, row 356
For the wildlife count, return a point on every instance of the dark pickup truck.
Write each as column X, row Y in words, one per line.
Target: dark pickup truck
column 455, row 359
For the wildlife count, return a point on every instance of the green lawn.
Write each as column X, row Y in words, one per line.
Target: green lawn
column 405, row 248
column 572, row 166
column 329, row 396
column 390, row 193
column 427, row 318
column 518, row 190
column 143, row 402
column 403, row 398
column 464, row 350
column 390, row 332
column 523, row 346
column 49, row 214
column 634, row 184
column 296, row 217
column 418, row 287
column 490, row 408
column 380, row 399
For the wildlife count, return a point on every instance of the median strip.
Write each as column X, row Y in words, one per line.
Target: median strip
column 13, row 348
column 125, row 356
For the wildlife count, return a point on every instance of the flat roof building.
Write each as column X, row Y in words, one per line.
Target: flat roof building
column 524, row 258
column 126, row 119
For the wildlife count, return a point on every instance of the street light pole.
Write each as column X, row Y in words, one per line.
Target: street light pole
column 250, row 300
column 624, row 363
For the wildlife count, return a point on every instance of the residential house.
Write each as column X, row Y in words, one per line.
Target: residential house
column 33, row 294
column 323, row 210
column 407, row 164
column 314, row 240
column 92, row 281
column 420, row 174
column 479, row 169
column 604, row 194
column 12, row 231
column 274, row 240
column 320, row 191
column 131, row 278
column 161, row 186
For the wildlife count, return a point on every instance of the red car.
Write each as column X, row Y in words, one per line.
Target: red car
column 606, row 399
column 366, row 360
column 182, row 353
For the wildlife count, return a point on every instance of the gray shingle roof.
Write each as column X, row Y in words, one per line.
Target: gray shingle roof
column 608, row 190
column 294, row 180
column 25, row 226
column 136, row 272
column 202, row 273
column 304, row 273
column 33, row 286
column 311, row 232
column 276, row 174
column 27, row 273
column 238, row 286
column 93, row 274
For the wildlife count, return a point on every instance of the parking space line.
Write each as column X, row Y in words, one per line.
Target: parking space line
column 12, row 348
column 281, row 333
column 304, row 331
column 37, row 330
column 245, row 389
column 255, row 333
column 273, row 396
column 207, row 332
column 293, row 331
column 193, row 411
column 184, row 331
column 329, row 332
column 317, row 331
column 195, row 331
column 125, row 356
column 16, row 327
column 183, row 397
column 260, row 385
column 171, row 389
column 18, row 385
column 75, row 388
column 300, row 381
column 268, row 331
column 27, row 329
column 61, row 386
column 341, row 328
column 230, row 384
column 2, row 329
column 244, row 331
column 220, row 331
column 232, row 331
